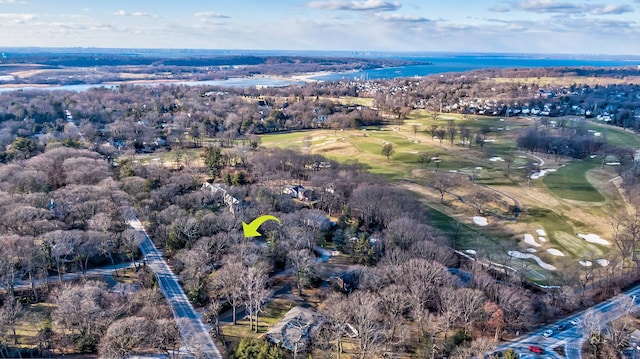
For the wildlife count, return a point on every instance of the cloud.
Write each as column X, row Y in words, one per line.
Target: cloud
column 17, row 18
column 210, row 15
column 563, row 7
column 611, row 9
column 500, row 8
column 550, row 6
column 13, row 2
column 137, row 13
column 368, row 5
column 401, row 18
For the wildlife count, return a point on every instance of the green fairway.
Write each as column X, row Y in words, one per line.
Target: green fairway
column 570, row 182
column 616, row 136
column 366, row 147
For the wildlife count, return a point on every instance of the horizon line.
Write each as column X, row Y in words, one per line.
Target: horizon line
column 354, row 52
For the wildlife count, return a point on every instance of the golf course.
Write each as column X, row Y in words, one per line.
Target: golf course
column 566, row 206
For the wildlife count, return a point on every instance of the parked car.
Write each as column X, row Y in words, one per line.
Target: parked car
column 547, row 333
column 535, row 349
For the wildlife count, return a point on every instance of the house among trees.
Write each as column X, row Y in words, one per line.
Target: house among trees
column 293, row 190
column 295, row 329
column 318, row 220
column 299, row 192
column 234, row 204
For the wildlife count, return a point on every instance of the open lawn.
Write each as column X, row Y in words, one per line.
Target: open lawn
column 32, row 321
column 366, row 145
column 616, row 136
column 570, row 182
column 350, row 100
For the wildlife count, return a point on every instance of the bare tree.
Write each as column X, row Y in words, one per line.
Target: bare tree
column 301, row 260
column 85, row 310
column 228, row 282
column 443, row 184
column 365, row 318
column 126, row 336
column 335, row 327
column 254, row 285
column 58, row 246
column 478, row 199
column 130, row 242
column 394, row 305
column 8, row 262
column 10, row 314
column 425, row 158
column 626, row 234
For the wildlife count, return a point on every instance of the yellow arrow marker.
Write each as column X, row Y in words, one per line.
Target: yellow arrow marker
column 251, row 229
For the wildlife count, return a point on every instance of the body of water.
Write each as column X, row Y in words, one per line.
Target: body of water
column 231, row 82
column 436, row 64
column 444, row 64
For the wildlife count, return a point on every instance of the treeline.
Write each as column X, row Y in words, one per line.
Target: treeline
column 142, row 117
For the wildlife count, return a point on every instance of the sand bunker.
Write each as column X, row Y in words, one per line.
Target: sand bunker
column 471, row 251
column 555, row 252
column 542, row 173
column 481, row 221
column 542, row 239
column 594, row 238
column 532, row 250
column 496, row 159
column 602, row 262
column 541, row 232
column 585, row 263
column 521, row 255
column 528, row 239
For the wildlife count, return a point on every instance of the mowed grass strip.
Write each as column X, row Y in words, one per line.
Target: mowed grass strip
column 366, row 147
column 570, row 182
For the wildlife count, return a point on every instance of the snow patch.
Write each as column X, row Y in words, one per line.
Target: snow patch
column 541, row 263
column 471, row 251
column 481, row 221
column 585, row 263
column 528, row 239
column 541, row 232
column 555, row 252
column 594, row 238
column 602, row 262
column 542, row 239
column 496, row 159
column 542, row 173
column 532, row 250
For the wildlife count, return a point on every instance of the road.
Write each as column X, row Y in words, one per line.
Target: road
column 23, row 284
column 195, row 335
column 568, row 335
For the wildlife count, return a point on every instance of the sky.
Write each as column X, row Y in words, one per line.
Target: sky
column 505, row 26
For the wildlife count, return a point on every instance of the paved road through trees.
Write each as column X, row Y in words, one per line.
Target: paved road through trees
column 195, row 336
